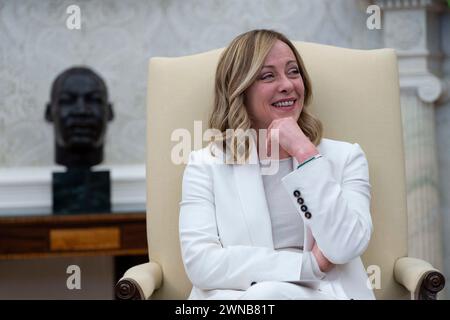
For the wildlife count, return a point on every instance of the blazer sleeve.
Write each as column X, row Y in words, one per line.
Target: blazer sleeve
column 337, row 212
column 208, row 264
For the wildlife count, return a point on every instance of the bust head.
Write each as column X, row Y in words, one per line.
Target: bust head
column 80, row 111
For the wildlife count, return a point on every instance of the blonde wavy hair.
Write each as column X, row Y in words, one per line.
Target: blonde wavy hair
column 238, row 67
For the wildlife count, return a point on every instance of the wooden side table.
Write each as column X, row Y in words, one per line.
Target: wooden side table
column 73, row 235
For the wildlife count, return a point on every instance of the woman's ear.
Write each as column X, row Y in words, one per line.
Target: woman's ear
column 48, row 113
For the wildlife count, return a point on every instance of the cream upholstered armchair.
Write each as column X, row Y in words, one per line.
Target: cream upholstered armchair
column 355, row 94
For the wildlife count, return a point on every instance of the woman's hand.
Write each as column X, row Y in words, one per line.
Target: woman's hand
column 324, row 264
column 291, row 139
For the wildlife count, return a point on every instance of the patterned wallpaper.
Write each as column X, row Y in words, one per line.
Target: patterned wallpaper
column 117, row 38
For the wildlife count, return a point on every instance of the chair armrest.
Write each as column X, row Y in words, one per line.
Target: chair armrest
column 139, row 282
column 419, row 277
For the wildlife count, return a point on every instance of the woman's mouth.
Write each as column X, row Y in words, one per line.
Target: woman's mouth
column 285, row 105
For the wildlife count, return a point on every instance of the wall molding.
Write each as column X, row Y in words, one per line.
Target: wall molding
column 410, row 4
column 429, row 87
column 414, row 33
column 27, row 190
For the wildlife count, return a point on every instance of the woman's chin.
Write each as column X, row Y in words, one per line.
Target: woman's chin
column 292, row 112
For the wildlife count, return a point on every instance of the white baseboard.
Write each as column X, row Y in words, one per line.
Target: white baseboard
column 27, row 190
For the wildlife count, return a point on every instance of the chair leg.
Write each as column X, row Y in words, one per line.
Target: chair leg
column 432, row 283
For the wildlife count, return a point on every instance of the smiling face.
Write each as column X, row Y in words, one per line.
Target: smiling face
column 278, row 91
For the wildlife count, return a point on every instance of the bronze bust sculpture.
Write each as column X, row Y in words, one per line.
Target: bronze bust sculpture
column 80, row 112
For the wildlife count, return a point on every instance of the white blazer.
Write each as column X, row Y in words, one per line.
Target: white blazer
column 226, row 233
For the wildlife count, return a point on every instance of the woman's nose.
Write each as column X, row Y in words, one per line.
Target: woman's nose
column 286, row 84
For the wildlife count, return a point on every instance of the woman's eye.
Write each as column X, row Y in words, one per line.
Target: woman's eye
column 294, row 71
column 266, row 76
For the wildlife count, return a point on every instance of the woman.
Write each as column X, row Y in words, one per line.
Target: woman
column 297, row 233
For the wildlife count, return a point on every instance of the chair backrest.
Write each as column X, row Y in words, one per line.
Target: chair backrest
column 356, row 96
